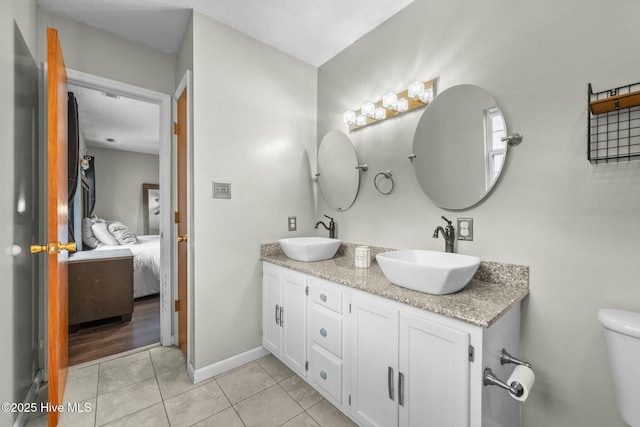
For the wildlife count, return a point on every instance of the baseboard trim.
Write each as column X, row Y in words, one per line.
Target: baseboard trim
column 210, row 371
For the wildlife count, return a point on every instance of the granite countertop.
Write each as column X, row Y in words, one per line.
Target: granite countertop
column 495, row 288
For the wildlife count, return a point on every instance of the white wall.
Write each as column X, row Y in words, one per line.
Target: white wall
column 576, row 225
column 119, row 178
column 255, row 126
column 24, row 14
column 103, row 54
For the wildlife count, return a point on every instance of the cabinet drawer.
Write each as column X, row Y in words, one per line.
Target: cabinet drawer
column 326, row 372
column 326, row 329
column 326, row 297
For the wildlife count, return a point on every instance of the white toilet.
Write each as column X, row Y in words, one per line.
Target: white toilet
column 622, row 330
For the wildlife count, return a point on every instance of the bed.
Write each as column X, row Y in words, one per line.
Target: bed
column 146, row 264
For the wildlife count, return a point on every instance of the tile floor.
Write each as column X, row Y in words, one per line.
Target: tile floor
column 151, row 388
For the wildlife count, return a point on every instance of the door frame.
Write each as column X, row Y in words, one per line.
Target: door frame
column 185, row 84
column 90, row 81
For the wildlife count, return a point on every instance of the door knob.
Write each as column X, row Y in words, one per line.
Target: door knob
column 182, row 238
column 70, row 247
column 54, row 248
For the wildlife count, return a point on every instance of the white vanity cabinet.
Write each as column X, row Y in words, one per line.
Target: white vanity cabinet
column 406, row 369
column 384, row 363
column 284, row 316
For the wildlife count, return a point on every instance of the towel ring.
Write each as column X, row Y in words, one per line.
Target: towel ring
column 387, row 175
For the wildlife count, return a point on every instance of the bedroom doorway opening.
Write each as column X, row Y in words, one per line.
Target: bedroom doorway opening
column 129, row 198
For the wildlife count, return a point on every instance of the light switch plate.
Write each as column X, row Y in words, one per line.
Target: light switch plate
column 465, row 229
column 221, row 190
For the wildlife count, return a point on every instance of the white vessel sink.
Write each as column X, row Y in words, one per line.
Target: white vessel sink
column 432, row 272
column 309, row 248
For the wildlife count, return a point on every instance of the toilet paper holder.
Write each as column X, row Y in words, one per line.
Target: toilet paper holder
column 515, row 388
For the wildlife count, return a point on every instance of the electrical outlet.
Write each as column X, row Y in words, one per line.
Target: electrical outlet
column 465, row 229
column 293, row 223
column 221, row 190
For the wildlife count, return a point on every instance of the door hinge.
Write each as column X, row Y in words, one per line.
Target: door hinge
column 306, row 291
column 175, row 128
column 306, row 365
column 176, row 217
column 471, row 353
column 176, row 305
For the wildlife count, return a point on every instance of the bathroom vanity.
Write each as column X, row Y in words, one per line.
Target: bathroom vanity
column 389, row 356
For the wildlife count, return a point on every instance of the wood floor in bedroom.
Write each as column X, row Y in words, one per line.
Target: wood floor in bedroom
column 106, row 337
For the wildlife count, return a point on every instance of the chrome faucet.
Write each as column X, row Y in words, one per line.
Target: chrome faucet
column 331, row 227
column 449, row 234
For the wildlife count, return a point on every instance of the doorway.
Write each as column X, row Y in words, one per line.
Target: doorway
column 162, row 102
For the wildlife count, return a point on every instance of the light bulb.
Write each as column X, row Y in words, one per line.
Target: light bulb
column 361, row 120
column 380, row 113
column 415, row 90
column 389, row 101
column 349, row 117
column 427, row 95
column 368, row 109
column 403, row 105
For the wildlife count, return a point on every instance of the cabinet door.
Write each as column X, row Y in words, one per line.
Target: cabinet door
column 294, row 321
column 271, row 303
column 374, row 359
column 435, row 364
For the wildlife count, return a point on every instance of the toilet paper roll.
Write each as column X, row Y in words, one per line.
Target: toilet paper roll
column 525, row 377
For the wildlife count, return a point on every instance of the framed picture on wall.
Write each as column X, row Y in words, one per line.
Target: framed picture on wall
column 151, row 208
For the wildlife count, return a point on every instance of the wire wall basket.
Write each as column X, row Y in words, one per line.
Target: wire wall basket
column 614, row 124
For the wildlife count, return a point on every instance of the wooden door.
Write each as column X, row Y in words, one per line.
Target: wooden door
column 182, row 216
column 57, row 224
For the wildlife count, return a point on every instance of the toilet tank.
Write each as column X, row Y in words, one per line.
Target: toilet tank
column 622, row 332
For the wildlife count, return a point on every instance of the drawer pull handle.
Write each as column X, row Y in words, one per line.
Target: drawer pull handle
column 323, row 297
column 323, row 332
column 323, row 375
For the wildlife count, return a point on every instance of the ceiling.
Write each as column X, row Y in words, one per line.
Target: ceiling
column 117, row 122
column 313, row 31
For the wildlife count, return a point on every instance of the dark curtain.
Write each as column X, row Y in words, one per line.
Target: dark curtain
column 90, row 175
column 73, row 159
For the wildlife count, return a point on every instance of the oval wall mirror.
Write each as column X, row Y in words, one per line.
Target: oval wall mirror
column 338, row 176
column 458, row 147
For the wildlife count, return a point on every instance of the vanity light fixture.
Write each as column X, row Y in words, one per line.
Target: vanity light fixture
column 418, row 94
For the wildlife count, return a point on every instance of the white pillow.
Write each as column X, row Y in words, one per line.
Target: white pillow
column 88, row 238
column 121, row 232
column 101, row 232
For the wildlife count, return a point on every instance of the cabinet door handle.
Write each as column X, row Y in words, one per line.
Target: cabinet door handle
column 281, row 315
column 278, row 315
column 400, row 388
column 390, row 382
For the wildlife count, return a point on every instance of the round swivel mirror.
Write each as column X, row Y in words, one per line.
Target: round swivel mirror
column 458, row 147
column 338, row 176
